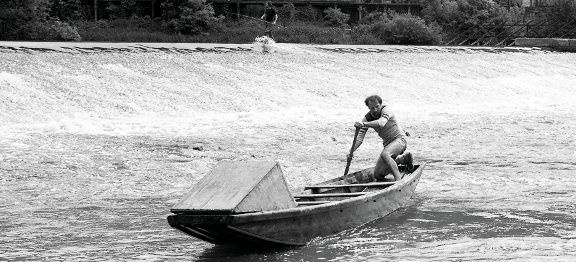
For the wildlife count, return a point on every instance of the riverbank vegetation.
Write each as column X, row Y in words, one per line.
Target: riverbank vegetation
column 197, row 21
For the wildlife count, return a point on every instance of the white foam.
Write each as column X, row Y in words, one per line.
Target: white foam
column 10, row 79
column 264, row 44
column 186, row 96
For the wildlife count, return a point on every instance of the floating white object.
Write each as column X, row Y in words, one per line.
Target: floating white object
column 264, row 44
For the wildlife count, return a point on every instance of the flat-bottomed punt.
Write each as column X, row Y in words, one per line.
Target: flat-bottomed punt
column 248, row 203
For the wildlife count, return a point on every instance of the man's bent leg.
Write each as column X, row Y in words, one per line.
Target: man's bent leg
column 386, row 163
column 389, row 165
column 381, row 169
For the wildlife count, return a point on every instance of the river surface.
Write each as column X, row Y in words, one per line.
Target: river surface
column 99, row 141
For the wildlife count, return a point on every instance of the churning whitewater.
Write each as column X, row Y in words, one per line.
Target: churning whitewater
column 98, row 141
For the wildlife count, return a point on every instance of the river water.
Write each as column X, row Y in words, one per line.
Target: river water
column 98, row 141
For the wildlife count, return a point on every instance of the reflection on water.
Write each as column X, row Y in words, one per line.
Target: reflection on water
column 98, row 183
column 247, row 253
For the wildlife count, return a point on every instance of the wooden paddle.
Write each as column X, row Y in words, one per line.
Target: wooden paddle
column 351, row 151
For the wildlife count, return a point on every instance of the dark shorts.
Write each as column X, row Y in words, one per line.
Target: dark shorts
column 396, row 147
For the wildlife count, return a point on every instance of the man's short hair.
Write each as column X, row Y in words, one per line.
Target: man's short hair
column 374, row 98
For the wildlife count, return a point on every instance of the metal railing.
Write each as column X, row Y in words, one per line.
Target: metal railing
column 504, row 34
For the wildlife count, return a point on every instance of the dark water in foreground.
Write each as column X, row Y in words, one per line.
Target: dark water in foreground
column 85, row 175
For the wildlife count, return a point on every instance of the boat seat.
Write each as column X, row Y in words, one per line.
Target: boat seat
column 310, row 203
column 332, row 195
column 373, row 184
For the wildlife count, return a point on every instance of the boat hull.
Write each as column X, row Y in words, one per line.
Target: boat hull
column 297, row 226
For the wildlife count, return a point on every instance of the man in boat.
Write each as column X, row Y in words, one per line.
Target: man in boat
column 382, row 120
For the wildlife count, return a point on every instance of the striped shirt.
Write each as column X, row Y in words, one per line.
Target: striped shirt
column 388, row 128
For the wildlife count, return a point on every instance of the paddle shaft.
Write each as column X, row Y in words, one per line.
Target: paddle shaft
column 351, row 151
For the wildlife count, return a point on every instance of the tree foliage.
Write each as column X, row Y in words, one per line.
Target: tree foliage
column 395, row 28
column 124, row 9
column 189, row 16
column 563, row 11
column 287, row 13
column 306, row 13
column 56, row 19
column 66, row 10
column 335, row 17
column 375, row 17
column 471, row 15
column 31, row 20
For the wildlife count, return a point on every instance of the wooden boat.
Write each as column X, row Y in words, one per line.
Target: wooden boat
column 322, row 209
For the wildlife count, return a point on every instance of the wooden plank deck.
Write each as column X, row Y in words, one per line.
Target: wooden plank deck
column 311, row 203
column 331, row 195
column 374, row 184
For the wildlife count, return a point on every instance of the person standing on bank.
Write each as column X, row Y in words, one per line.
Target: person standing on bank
column 382, row 120
column 270, row 16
